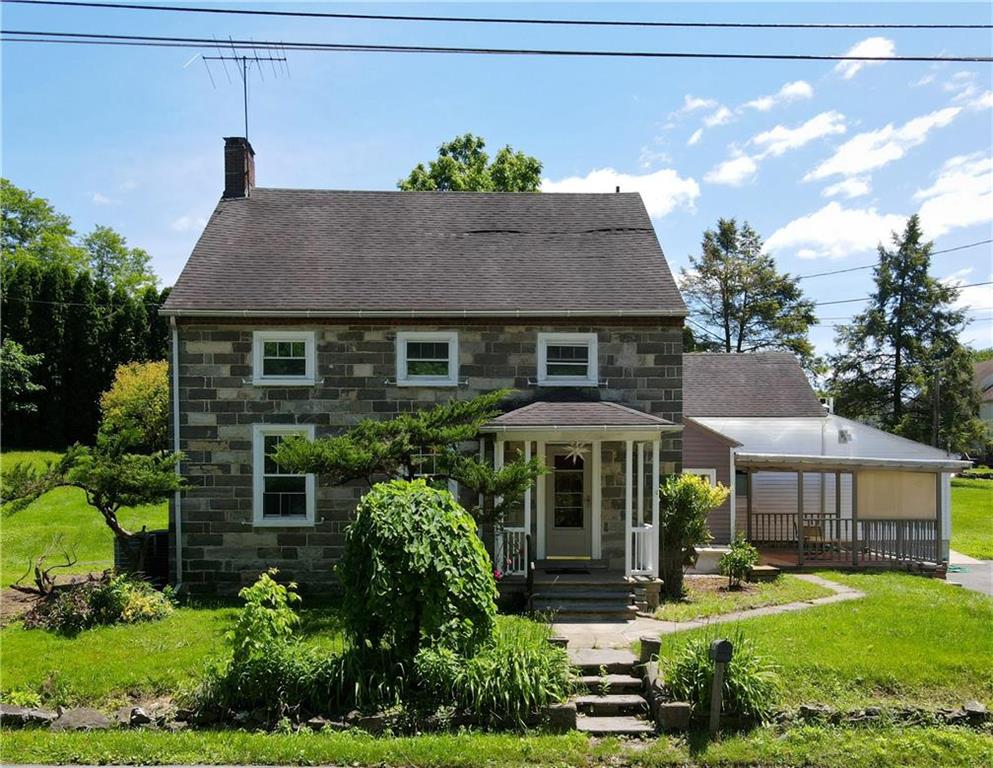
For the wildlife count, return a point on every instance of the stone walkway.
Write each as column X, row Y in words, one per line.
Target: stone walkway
column 970, row 573
column 621, row 634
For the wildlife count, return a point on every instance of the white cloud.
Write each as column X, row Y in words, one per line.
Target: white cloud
column 871, row 46
column 663, row 191
column 853, row 187
column 720, row 116
column 798, row 89
column 781, row 139
column 975, row 296
column 874, row 149
column 733, row 172
column 695, row 137
column 983, row 101
column 694, row 103
column 101, row 199
column 961, row 196
column 188, row 223
column 835, row 232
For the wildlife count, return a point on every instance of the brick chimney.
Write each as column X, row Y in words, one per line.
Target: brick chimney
column 239, row 167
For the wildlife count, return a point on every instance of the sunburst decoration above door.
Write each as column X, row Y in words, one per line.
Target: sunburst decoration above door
column 576, row 452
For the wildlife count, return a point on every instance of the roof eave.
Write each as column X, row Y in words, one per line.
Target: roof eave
column 417, row 313
column 781, row 461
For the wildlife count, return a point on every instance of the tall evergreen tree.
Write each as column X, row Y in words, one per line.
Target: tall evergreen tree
column 737, row 294
column 902, row 345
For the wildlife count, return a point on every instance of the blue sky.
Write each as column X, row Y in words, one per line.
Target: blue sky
column 822, row 160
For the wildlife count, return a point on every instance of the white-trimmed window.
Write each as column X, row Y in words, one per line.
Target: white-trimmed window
column 567, row 359
column 283, row 357
column 428, row 358
column 710, row 475
column 281, row 498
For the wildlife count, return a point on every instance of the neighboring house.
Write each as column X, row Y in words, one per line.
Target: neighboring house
column 983, row 378
column 303, row 311
column 859, row 496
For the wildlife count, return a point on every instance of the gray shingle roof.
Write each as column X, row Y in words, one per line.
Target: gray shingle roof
column 752, row 384
column 289, row 250
column 576, row 414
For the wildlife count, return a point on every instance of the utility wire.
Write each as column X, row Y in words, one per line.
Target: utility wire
column 29, row 36
column 870, row 266
column 869, row 298
column 497, row 20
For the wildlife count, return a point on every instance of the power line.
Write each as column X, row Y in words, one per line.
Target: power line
column 497, row 20
column 81, row 38
column 869, row 298
column 870, row 266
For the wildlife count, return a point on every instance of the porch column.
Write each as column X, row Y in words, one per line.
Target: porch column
column 597, row 469
column 540, row 494
column 799, row 515
column 500, row 540
column 656, row 481
column 937, row 518
column 527, row 504
column 641, row 484
column 628, row 503
column 748, row 504
column 855, row 518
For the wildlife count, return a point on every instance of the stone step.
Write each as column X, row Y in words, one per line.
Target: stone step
column 614, row 661
column 571, row 564
column 613, row 726
column 590, row 612
column 614, row 683
column 569, row 594
column 612, row 704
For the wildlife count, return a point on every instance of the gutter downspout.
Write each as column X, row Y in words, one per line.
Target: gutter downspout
column 177, row 501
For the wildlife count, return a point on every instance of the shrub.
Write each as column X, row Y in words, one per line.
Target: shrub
column 136, row 408
column 738, row 561
column 266, row 620
column 686, row 500
column 414, row 571
column 121, row 599
column 751, row 687
column 508, row 680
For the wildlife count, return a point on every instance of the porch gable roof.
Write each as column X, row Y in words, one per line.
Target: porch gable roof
column 577, row 416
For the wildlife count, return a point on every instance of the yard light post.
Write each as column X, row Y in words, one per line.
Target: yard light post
column 720, row 654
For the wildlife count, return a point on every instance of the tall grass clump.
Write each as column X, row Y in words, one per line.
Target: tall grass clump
column 751, row 683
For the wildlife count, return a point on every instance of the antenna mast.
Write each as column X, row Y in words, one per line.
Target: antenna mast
column 244, row 58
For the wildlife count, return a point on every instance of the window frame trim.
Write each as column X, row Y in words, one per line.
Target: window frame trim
column 710, row 472
column 592, row 378
column 259, row 520
column 404, row 379
column 309, row 338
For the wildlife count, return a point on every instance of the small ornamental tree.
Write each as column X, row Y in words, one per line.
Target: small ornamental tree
column 686, row 500
column 136, row 408
column 738, row 561
column 414, row 572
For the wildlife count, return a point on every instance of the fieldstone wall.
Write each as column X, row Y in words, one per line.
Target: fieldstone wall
column 356, row 364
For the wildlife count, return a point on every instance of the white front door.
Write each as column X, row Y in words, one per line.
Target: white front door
column 568, row 527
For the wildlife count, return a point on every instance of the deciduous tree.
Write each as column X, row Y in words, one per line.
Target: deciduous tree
column 462, row 165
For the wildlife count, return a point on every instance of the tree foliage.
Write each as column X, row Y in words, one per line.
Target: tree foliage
column 902, row 345
column 735, row 292
column 462, row 165
column 136, row 408
column 52, row 304
column 685, row 502
column 17, row 385
column 415, row 572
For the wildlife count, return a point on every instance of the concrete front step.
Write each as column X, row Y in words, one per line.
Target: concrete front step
column 613, row 726
column 612, row 705
column 571, row 564
column 589, row 612
column 613, row 661
column 612, row 683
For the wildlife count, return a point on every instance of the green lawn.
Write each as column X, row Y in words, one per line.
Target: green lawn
column 910, row 640
column 26, row 533
column 708, row 596
column 809, row 746
column 972, row 517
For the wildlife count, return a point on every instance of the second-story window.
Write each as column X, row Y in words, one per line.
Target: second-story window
column 567, row 359
column 283, row 357
column 427, row 359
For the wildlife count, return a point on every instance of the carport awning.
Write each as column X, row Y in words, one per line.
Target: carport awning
column 781, row 462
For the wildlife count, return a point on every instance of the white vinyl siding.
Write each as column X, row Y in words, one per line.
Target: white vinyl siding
column 283, row 358
column 567, row 360
column 776, row 492
column 427, row 359
column 280, row 498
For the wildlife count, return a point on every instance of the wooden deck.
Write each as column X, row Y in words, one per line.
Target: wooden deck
column 841, row 560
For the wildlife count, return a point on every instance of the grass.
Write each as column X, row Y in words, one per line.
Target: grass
column 910, row 640
column 972, row 517
column 814, row 747
column 708, row 596
column 26, row 533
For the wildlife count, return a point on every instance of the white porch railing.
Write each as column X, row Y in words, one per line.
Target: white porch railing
column 511, row 551
column 643, row 555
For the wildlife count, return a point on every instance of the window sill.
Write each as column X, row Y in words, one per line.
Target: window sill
column 425, row 383
column 273, row 382
column 567, row 383
column 285, row 522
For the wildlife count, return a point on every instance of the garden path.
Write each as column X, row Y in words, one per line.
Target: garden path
column 622, row 634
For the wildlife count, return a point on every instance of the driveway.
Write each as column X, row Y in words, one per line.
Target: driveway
column 971, row 573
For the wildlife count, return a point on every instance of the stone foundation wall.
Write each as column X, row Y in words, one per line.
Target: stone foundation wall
column 221, row 549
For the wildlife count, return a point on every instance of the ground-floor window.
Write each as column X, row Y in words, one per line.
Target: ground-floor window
column 280, row 497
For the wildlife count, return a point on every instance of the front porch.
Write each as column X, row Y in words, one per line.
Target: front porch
column 595, row 509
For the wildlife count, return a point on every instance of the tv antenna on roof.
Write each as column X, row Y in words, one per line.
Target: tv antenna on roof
column 244, row 58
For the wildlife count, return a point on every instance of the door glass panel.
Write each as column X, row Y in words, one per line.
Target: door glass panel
column 568, row 492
